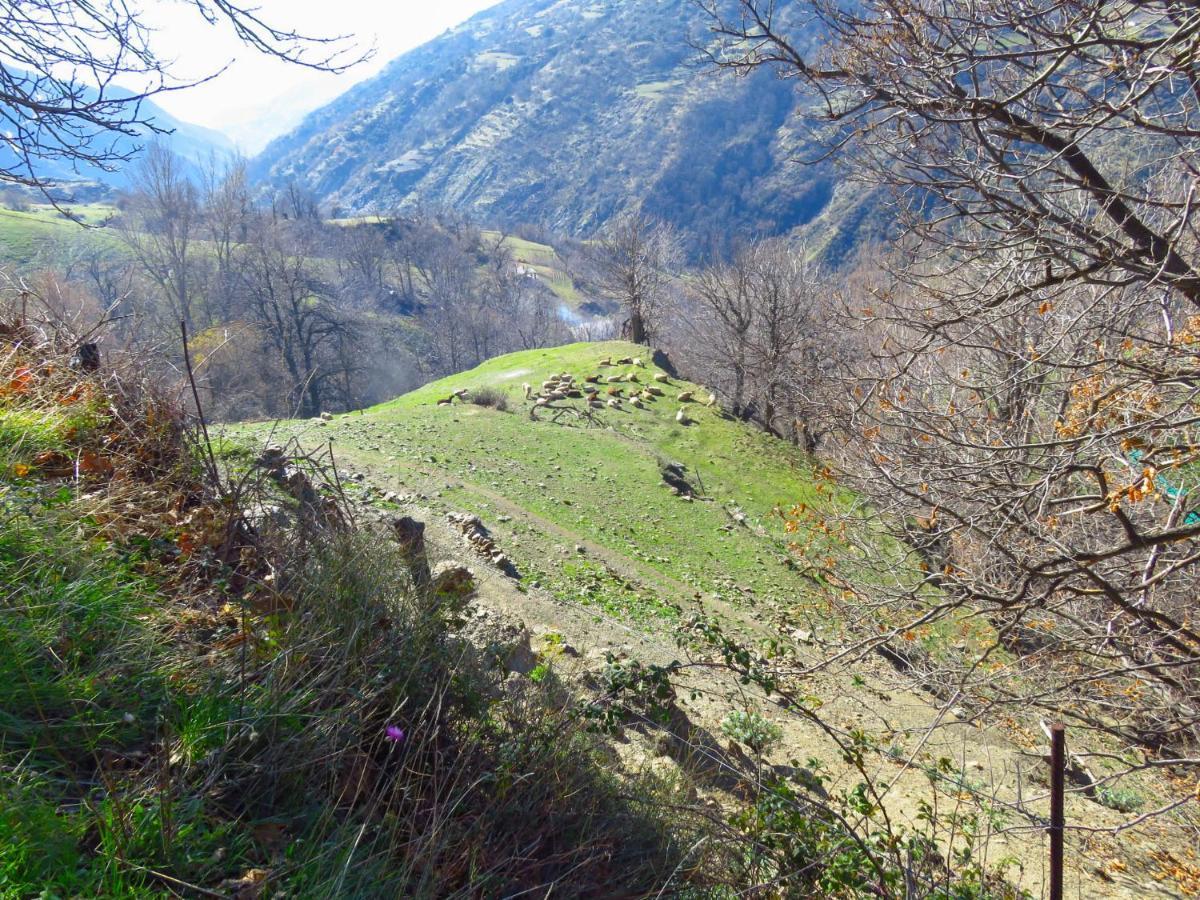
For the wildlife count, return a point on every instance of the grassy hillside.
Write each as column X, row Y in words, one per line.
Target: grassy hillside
column 169, row 728
column 608, row 556
column 215, row 686
column 595, row 489
column 27, row 235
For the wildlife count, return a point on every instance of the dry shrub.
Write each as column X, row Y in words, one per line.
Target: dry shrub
column 491, row 398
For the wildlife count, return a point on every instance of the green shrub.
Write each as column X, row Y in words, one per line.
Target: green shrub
column 751, row 729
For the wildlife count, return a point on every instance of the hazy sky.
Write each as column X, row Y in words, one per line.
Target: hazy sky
column 258, row 95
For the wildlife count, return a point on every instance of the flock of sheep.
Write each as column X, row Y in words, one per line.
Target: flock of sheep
column 605, row 392
column 612, row 391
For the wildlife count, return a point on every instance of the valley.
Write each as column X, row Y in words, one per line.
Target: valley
column 694, row 449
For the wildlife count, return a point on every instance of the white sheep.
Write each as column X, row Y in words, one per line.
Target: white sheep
column 682, row 417
column 662, row 378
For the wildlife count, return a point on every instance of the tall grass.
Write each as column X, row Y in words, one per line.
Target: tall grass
column 188, row 705
column 146, row 741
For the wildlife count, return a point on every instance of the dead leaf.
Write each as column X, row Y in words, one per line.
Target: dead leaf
column 251, row 886
column 92, row 463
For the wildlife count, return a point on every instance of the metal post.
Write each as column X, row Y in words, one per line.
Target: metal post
column 1058, row 777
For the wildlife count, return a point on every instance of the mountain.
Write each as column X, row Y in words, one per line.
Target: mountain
column 193, row 143
column 564, row 114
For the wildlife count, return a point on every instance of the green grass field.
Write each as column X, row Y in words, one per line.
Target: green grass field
column 597, row 485
column 27, row 236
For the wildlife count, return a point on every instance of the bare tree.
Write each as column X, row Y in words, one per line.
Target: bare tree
column 160, row 228
column 634, row 263
column 1067, row 131
column 446, row 276
column 296, row 312
column 62, row 63
column 228, row 212
column 762, row 327
column 1025, row 420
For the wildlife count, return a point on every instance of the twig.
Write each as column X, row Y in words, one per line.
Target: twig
column 187, row 362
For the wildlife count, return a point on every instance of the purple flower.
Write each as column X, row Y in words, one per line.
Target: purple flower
column 395, row 734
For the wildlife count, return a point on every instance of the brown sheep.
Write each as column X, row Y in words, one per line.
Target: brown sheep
column 625, row 361
column 661, row 378
column 607, row 361
column 654, row 392
column 687, row 396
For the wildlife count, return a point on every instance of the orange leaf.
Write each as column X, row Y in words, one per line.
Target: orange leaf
column 21, row 381
column 186, row 543
column 92, row 463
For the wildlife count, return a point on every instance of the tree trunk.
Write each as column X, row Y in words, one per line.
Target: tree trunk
column 637, row 329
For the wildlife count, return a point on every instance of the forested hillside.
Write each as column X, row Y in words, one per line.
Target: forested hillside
column 566, row 115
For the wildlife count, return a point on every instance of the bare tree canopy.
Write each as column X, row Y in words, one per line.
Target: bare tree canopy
column 634, row 261
column 74, row 77
column 1064, row 130
column 1023, row 415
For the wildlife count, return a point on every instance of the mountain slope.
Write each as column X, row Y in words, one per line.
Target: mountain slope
column 194, row 143
column 566, row 114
